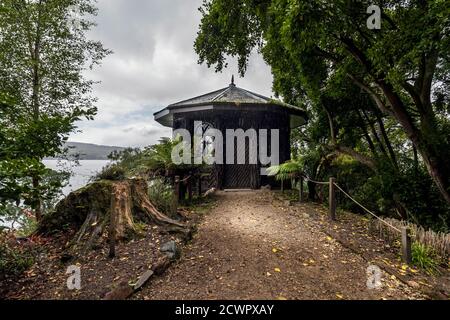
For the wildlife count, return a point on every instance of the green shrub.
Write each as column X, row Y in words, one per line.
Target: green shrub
column 28, row 226
column 424, row 258
column 113, row 172
column 160, row 194
column 12, row 260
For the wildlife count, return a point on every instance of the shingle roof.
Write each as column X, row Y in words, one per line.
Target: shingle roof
column 230, row 94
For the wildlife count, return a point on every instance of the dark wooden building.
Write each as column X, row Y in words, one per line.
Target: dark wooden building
column 235, row 108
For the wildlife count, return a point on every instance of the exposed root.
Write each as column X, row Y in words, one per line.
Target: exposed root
column 107, row 209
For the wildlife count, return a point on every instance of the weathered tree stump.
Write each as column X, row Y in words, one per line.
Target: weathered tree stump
column 88, row 212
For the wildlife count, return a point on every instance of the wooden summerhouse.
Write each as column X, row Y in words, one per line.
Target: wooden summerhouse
column 236, row 108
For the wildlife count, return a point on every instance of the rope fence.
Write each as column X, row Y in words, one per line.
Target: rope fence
column 316, row 182
column 405, row 231
column 367, row 210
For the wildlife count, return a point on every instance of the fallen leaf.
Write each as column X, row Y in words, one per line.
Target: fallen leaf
column 274, row 250
column 277, row 270
column 340, row 296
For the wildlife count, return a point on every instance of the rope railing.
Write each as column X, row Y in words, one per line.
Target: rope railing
column 316, row 182
column 367, row 210
column 405, row 232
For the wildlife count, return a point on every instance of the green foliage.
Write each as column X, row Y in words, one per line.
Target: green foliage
column 21, row 221
column 289, row 170
column 378, row 100
column 160, row 194
column 155, row 160
column 44, row 54
column 114, row 172
column 13, row 261
column 424, row 258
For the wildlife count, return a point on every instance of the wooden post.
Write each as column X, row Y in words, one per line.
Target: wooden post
column 189, row 187
column 300, row 190
column 406, row 245
column 176, row 195
column 112, row 227
column 332, row 199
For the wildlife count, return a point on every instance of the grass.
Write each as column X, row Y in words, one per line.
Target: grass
column 113, row 172
column 424, row 258
column 160, row 193
column 13, row 261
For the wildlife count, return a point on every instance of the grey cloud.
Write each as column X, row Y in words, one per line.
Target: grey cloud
column 153, row 65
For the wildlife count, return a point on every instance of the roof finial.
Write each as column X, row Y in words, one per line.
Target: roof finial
column 232, row 80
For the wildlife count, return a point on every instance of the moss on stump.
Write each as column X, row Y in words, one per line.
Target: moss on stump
column 106, row 208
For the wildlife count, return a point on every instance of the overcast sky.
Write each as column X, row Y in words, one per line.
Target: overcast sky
column 153, row 65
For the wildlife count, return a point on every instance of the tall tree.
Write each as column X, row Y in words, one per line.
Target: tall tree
column 44, row 53
column 404, row 67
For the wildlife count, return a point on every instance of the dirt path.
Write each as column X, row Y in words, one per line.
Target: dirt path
column 250, row 247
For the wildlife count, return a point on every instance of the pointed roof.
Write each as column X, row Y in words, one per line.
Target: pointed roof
column 231, row 95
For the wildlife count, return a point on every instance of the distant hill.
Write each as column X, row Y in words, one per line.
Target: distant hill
column 87, row 151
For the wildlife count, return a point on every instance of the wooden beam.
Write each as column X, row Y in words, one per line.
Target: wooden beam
column 176, row 195
column 406, row 245
column 332, row 199
column 300, row 190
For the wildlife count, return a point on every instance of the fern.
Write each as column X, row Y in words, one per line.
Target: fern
column 289, row 170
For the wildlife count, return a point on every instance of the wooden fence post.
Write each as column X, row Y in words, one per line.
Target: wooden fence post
column 332, row 199
column 189, row 186
column 176, row 195
column 406, row 245
column 112, row 227
column 300, row 190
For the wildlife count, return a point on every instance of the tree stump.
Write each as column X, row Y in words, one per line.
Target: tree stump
column 88, row 211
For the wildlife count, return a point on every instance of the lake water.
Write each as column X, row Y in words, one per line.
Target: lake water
column 81, row 174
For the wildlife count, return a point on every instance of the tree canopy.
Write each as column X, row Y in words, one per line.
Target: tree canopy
column 44, row 53
column 380, row 97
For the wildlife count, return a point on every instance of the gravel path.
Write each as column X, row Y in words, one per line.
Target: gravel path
column 251, row 247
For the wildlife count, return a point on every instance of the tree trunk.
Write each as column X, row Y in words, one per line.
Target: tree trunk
column 311, row 191
column 426, row 140
column 436, row 166
column 37, row 204
column 88, row 211
column 387, row 141
column 35, row 57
